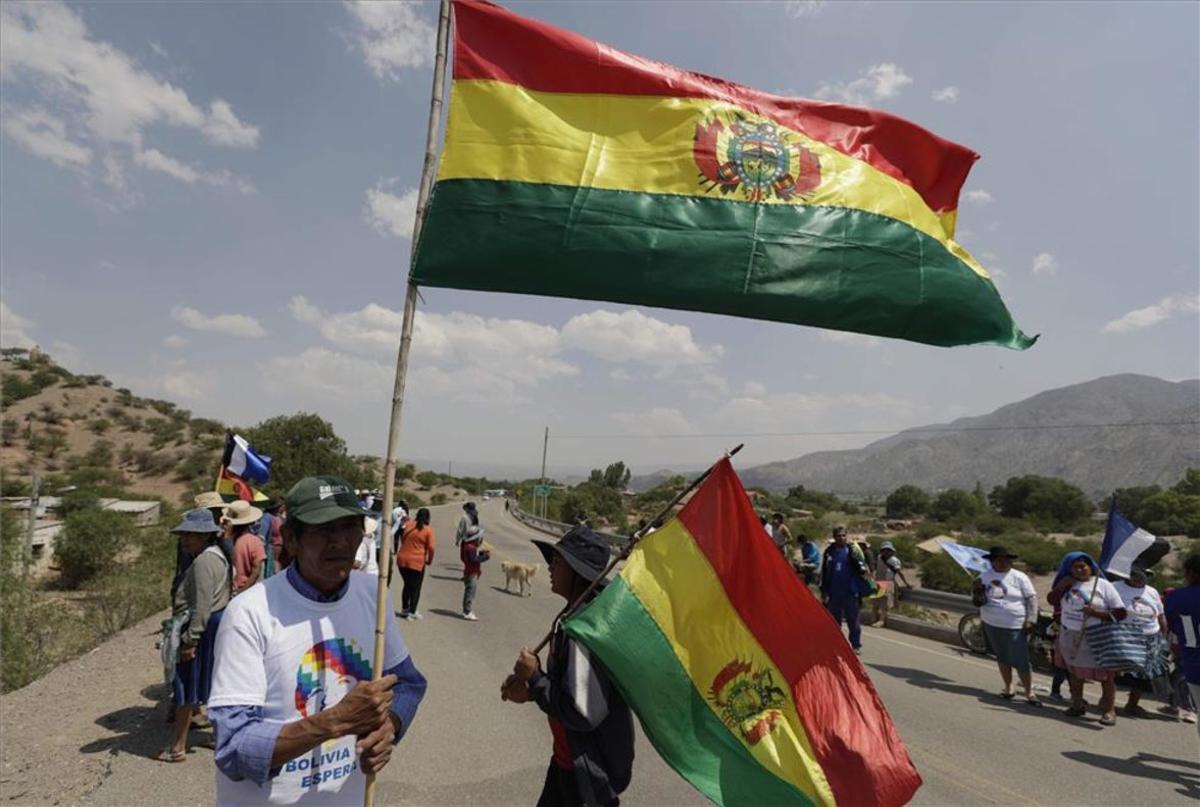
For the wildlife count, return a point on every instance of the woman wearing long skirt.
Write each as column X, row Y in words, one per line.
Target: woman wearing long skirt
column 199, row 602
column 1086, row 598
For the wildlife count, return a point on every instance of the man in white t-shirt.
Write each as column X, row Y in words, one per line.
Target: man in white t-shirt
column 365, row 560
column 296, row 715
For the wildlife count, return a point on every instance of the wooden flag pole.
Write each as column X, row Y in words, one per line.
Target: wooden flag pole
column 406, row 329
column 654, row 523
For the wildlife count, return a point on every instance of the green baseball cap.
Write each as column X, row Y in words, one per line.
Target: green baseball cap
column 321, row 499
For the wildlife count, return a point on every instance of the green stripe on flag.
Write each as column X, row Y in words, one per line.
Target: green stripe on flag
column 828, row 267
column 687, row 734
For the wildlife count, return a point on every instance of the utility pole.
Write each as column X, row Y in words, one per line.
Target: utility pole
column 33, row 508
column 545, row 446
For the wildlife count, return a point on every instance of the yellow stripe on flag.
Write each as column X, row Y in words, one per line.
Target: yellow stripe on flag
column 674, row 581
column 644, row 144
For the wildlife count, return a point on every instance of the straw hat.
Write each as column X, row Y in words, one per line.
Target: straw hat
column 242, row 512
column 209, row 498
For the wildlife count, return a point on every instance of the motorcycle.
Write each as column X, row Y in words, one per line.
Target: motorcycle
column 1041, row 640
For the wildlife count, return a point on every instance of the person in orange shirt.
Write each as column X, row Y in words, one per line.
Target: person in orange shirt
column 416, row 552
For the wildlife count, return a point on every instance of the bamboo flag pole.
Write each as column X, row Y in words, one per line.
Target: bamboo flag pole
column 654, row 523
column 410, row 310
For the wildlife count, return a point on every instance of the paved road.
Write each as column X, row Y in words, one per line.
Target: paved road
column 87, row 732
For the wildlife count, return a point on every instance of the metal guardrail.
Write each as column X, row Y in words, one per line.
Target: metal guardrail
column 558, row 529
column 939, row 600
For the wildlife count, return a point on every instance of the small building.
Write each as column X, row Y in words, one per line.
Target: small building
column 145, row 513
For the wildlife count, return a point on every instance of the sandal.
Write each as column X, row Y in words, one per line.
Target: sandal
column 1008, row 695
column 1109, row 719
column 1135, row 711
column 169, row 754
column 1034, row 702
column 1075, row 711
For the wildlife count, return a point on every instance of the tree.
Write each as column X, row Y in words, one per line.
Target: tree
column 819, row 502
column 1047, row 500
column 1190, row 484
column 617, row 476
column 906, row 501
column 301, row 445
column 954, row 504
column 89, row 544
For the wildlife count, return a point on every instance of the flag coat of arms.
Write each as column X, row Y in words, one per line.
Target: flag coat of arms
column 572, row 169
column 740, row 678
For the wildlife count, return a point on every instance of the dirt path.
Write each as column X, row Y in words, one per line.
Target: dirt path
column 67, row 734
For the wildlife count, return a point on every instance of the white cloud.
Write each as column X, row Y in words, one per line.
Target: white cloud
column 330, row 374
column 106, row 266
column 1152, row 315
column 229, row 324
column 850, row 339
column 391, row 36
column 100, row 94
column 1045, row 264
column 805, row 8
column 946, row 95
column 389, row 213
column 620, row 375
column 175, row 342
column 14, row 328
column 44, row 135
column 631, row 336
column 659, row 420
column 183, row 383
column 876, row 83
column 754, row 389
column 518, row 351
column 979, row 197
column 155, row 160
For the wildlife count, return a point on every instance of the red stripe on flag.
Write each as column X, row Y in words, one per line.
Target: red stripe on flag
column 491, row 42
column 240, row 488
column 850, row 730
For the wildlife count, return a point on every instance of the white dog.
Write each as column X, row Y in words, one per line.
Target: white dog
column 521, row 572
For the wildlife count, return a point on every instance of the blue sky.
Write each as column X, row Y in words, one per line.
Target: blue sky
column 211, row 203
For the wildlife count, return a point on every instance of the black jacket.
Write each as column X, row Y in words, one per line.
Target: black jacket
column 598, row 722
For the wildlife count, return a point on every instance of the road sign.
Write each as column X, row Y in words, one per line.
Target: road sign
column 541, row 490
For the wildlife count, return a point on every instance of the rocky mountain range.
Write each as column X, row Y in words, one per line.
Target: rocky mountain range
column 1067, row 432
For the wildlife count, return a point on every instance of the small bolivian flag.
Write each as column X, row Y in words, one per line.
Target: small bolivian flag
column 572, row 169
column 740, row 679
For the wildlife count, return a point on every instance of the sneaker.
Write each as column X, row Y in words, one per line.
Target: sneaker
column 403, row 615
column 1057, row 697
column 1188, row 717
column 858, row 651
column 416, row 615
column 470, row 616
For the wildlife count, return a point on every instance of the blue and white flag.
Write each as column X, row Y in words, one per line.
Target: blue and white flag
column 1123, row 543
column 969, row 557
column 241, row 461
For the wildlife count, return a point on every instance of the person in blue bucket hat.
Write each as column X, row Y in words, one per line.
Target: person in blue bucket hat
column 196, row 608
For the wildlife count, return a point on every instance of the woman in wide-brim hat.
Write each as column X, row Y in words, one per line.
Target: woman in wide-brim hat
column 1009, row 614
column 197, row 603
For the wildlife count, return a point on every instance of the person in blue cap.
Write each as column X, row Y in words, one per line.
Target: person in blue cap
column 198, row 603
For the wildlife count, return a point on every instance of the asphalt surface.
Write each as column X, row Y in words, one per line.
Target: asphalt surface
column 89, row 731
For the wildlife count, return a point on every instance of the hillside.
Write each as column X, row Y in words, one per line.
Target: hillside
column 1058, row 433
column 80, row 430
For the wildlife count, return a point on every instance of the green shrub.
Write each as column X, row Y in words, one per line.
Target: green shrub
column 15, row 388
column 99, row 426
column 438, row 498
column 940, row 573
column 9, row 429
column 907, row 501
column 89, row 544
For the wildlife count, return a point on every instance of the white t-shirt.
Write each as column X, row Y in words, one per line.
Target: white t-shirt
column 1080, row 594
column 295, row 657
column 366, row 555
column 1006, row 595
column 1144, row 604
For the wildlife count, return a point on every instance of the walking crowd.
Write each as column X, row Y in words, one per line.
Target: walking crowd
column 273, row 621
column 1106, row 628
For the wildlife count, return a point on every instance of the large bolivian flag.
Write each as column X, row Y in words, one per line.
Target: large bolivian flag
column 571, row 169
column 741, row 680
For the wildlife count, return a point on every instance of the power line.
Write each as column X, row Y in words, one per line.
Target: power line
column 898, row 432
